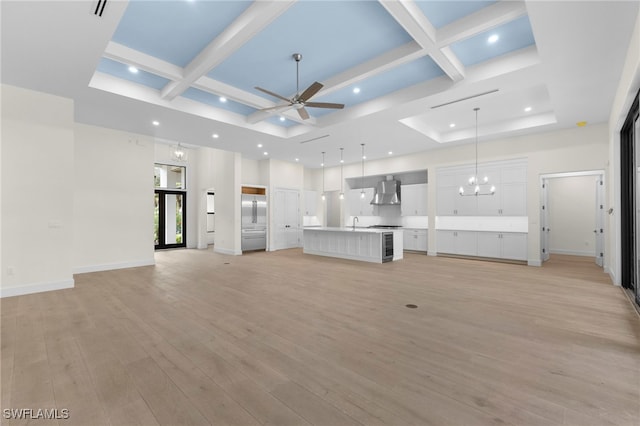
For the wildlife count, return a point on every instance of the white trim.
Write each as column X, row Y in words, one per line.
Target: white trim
column 36, row 288
column 226, row 251
column 534, row 262
column 432, row 253
column 111, row 266
column 572, row 174
column 573, row 252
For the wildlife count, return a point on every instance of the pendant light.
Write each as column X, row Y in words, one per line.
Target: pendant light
column 473, row 180
column 362, row 195
column 179, row 153
column 341, row 174
column 322, row 164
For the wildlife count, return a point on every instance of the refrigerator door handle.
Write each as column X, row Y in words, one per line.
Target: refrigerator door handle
column 254, row 211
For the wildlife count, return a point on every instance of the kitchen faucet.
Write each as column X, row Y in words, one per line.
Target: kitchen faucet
column 355, row 219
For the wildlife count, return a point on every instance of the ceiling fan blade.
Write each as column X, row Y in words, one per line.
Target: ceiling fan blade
column 303, row 113
column 275, row 95
column 311, row 90
column 277, row 108
column 323, row 105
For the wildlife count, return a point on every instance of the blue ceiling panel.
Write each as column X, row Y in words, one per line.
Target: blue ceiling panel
column 441, row 13
column 332, row 37
column 513, row 35
column 414, row 72
column 175, row 31
column 120, row 70
column 276, row 120
column 214, row 101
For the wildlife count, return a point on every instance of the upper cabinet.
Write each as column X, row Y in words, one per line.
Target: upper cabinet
column 508, row 177
column 310, row 203
column 359, row 206
column 414, row 200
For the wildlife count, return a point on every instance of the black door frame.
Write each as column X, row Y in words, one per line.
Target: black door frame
column 629, row 144
column 162, row 193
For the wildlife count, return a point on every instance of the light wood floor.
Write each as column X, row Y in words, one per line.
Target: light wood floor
column 284, row 338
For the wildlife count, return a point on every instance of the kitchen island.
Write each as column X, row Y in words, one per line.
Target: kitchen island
column 364, row 244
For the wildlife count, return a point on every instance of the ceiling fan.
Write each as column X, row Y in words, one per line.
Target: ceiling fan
column 300, row 100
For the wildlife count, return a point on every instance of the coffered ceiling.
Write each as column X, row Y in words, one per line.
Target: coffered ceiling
column 408, row 73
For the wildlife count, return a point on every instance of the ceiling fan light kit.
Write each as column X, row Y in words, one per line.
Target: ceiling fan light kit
column 299, row 101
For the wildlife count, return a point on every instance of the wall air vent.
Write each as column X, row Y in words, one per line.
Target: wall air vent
column 100, row 7
column 467, row 98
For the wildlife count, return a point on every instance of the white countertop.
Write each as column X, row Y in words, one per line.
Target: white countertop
column 350, row 229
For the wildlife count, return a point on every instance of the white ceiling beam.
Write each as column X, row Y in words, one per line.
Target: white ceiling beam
column 248, row 24
column 388, row 60
column 483, row 20
column 411, row 18
column 128, row 56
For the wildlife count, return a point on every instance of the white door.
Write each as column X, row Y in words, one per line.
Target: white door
column 544, row 237
column 286, row 214
column 599, row 231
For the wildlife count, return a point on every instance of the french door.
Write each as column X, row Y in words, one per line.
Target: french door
column 170, row 219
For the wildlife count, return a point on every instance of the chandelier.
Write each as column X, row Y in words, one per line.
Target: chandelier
column 479, row 187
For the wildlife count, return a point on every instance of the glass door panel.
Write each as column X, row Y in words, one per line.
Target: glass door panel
column 170, row 219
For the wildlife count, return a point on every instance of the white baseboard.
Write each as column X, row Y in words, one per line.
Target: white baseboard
column 36, row 288
column 111, row 266
column 226, row 251
column 432, row 253
column 572, row 252
column 534, row 262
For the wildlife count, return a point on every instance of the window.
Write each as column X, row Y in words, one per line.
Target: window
column 211, row 224
column 169, row 177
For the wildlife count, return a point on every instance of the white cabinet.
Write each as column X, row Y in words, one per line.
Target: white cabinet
column 359, row 206
column 310, row 203
column 415, row 239
column 497, row 245
column 457, row 242
column 414, row 200
column 508, row 177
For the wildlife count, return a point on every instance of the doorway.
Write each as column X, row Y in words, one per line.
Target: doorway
column 286, row 218
column 170, row 228
column 572, row 215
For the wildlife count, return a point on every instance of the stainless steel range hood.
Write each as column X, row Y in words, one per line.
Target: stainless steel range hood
column 387, row 192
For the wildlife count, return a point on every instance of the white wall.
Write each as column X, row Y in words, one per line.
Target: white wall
column 113, row 199
column 37, row 191
column 627, row 90
column 572, row 215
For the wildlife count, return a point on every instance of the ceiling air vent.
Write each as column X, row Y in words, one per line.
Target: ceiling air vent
column 315, row 139
column 464, row 99
column 100, row 7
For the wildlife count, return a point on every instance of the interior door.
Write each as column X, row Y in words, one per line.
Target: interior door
column 286, row 218
column 544, row 217
column 599, row 231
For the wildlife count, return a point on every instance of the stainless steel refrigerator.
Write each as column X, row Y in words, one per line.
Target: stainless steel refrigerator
column 254, row 222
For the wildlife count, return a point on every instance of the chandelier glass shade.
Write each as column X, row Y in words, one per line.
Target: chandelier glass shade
column 479, row 186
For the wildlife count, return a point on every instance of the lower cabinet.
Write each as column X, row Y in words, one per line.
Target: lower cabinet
column 415, row 239
column 498, row 245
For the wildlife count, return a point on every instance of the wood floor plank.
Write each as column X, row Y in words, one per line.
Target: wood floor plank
column 288, row 338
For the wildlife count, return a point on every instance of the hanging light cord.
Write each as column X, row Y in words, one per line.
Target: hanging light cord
column 476, row 177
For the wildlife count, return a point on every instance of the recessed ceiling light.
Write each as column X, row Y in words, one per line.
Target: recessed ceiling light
column 452, row 125
column 390, row 152
column 215, row 136
column 297, row 159
column 527, row 109
column 493, row 38
column 133, row 70
column 223, row 99
column 342, row 161
column 265, row 153
column 356, row 90
column 259, row 145
column 364, row 157
column 282, row 118
column 155, row 123
column 321, row 164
